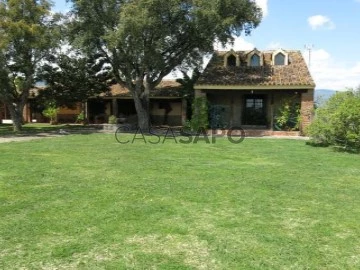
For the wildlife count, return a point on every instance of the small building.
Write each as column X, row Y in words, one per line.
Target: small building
column 248, row 87
column 167, row 106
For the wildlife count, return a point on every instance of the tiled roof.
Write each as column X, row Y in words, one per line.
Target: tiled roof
column 167, row 88
column 296, row 73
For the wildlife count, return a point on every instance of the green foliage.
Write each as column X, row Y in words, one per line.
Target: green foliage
column 188, row 84
column 81, row 117
column 288, row 116
column 51, row 112
column 200, row 114
column 73, row 78
column 112, row 119
column 337, row 122
column 216, row 116
column 27, row 31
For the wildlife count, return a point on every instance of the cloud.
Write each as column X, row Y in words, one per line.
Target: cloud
column 320, row 21
column 239, row 45
column 263, row 4
column 330, row 73
column 273, row 45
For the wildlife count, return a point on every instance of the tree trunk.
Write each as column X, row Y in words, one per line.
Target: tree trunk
column 142, row 110
column 16, row 113
column 140, row 93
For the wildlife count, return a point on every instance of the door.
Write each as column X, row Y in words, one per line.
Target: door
column 255, row 110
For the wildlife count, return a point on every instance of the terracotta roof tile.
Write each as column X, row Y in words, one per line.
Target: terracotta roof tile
column 295, row 73
column 167, row 88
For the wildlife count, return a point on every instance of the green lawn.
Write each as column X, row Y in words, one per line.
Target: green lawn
column 33, row 128
column 88, row 202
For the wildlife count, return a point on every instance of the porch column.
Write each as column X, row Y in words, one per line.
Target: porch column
column 27, row 113
column 307, row 109
column 86, row 110
column 271, row 111
column 6, row 111
column 115, row 109
column 232, row 112
column 183, row 111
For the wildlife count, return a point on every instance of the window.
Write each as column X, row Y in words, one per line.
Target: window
column 231, row 61
column 255, row 110
column 280, row 59
column 256, row 104
column 255, row 60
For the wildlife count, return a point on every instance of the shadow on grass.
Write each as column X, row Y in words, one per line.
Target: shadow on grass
column 37, row 129
column 317, row 144
column 343, row 149
column 336, row 148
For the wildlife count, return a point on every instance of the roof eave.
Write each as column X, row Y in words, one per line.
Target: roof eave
column 252, row 87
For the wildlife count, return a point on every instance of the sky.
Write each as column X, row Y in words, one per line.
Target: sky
column 330, row 28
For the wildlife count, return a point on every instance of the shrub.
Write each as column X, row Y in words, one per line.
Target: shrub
column 51, row 112
column 288, row 115
column 200, row 114
column 217, row 116
column 80, row 118
column 337, row 122
column 112, row 119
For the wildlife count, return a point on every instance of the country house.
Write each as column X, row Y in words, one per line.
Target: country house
column 249, row 88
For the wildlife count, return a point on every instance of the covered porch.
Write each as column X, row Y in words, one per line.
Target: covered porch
column 254, row 109
column 167, row 105
column 163, row 110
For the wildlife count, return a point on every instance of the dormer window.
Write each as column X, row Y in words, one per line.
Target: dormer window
column 280, row 59
column 255, row 60
column 231, row 61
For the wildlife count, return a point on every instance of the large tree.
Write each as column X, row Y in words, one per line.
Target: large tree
column 72, row 77
column 144, row 40
column 25, row 38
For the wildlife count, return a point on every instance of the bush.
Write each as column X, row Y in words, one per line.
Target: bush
column 112, row 119
column 217, row 116
column 200, row 114
column 80, row 118
column 288, row 116
column 337, row 122
column 51, row 112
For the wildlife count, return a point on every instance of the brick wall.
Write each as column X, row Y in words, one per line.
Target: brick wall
column 307, row 109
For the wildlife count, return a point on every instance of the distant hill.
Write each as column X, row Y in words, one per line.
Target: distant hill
column 322, row 95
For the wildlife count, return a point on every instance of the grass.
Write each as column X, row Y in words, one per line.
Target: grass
column 33, row 128
column 88, row 202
